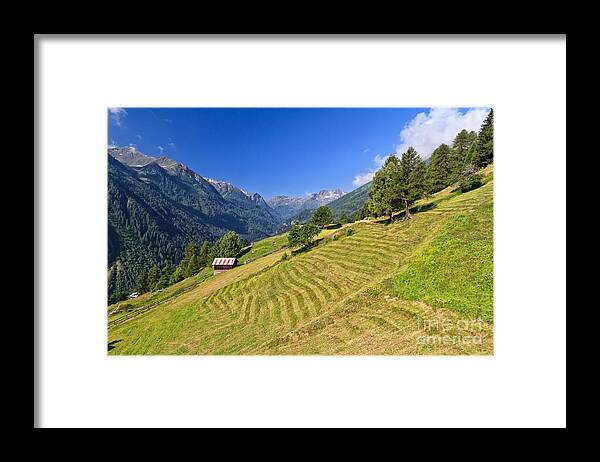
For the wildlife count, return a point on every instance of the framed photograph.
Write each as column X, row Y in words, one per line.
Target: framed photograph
column 308, row 231
column 297, row 231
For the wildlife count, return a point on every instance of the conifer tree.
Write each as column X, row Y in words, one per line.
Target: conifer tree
column 439, row 170
column 176, row 276
column 472, row 138
column 411, row 179
column 193, row 266
column 204, row 255
column 485, row 142
column 364, row 212
column 141, row 285
column 152, row 277
column 460, row 151
column 463, row 141
column 398, row 184
column 227, row 246
column 190, row 250
column 302, row 235
column 384, row 195
column 294, row 235
column 471, row 155
column 322, row 216
column 165, row 277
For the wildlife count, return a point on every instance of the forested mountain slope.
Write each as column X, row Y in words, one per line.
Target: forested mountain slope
column 157, row 206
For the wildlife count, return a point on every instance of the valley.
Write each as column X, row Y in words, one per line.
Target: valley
column 156, row 206
column 369, row 287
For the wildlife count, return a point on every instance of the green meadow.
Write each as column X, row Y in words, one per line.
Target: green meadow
column 418, row 286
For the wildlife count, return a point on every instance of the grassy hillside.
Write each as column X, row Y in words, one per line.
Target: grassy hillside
column 264, row 247
column 409, row 287
column 456, row 269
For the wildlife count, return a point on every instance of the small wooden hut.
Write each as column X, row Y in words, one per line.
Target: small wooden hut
column 223, row 264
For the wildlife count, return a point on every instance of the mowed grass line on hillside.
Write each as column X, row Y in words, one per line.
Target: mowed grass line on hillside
column 193, row 288
column 126, row 309
column 227, row 321
column 318, row 302
column 408, row 313
column 376, row 323
column 139, row 306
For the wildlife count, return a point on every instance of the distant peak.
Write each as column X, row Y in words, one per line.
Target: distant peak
column 290, row 205
column 225, row 185
column 166, row 162
column 327, row 194
column 227, row 190
column 130, row 156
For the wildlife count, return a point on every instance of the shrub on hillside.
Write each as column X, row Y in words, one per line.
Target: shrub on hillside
column 117, row 297
column 469, row 179
column 302, row 235
column 350, row 232
column 229, row 245
column 176, row 276
column 469, row 182
column 322, row 217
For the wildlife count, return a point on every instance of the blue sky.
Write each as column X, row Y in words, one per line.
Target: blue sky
column 287, row 151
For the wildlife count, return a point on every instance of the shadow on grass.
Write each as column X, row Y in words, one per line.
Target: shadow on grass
column 400, row 216
column 308, row 247
column 111, row 345
column 244, row 251
column 423, row 208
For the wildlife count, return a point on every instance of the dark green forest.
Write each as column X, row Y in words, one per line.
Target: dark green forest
column 154, row 213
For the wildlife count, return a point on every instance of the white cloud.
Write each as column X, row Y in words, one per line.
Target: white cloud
column 364, row 178
column 117, row 114
column 161, row 149
column 380, row 160
column 427, row 131
column 138, row 136
column 359, row 180
column 172, row 145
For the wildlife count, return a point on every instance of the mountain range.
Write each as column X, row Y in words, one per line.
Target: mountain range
column 351, row 202
column 157, row 205
column 289, row 206
column 233, row 193
column 345, row 205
